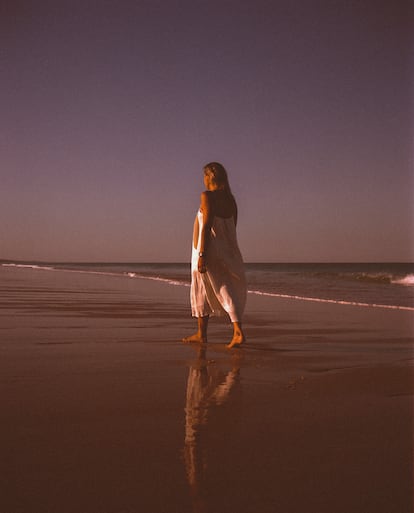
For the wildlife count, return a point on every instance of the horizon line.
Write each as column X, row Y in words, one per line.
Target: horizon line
column 86, row 262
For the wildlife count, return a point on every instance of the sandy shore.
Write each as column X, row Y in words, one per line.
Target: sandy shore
column 104, row 410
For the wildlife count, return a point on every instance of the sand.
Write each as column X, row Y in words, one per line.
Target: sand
column 105, row 410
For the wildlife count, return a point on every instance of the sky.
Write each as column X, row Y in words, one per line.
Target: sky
column 110, row 110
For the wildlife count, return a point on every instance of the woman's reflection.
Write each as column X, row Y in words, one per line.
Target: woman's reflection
column 208, row 388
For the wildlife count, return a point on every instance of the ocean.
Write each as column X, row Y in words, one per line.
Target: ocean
column 375, row 285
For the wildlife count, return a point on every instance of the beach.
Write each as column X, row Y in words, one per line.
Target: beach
column 105, row 410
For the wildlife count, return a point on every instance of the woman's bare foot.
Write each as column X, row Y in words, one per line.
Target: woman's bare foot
column 200, row 336
column 238, row 338
column 238, row 335
column 197, row 337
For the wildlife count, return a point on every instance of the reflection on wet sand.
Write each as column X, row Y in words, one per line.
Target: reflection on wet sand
column 208, row 388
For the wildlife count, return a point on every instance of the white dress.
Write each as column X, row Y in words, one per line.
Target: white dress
column 223, row 287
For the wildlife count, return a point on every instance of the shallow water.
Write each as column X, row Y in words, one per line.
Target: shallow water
column 368, row 284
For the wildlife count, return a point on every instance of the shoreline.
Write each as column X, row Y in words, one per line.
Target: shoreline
column 186, row 282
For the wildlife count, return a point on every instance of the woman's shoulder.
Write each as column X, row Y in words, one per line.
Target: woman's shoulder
column 207, row 197
column 206, row 201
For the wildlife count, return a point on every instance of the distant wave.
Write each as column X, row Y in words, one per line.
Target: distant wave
column 386, row 278
column 334, row 301
column 370, row 277
column 406, row 280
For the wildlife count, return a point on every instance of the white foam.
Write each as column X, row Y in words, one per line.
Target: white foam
column 334, row 301
column 165, row 280
column 30, row 266
column 119, row 275
column 59, row 269
column 157, row 278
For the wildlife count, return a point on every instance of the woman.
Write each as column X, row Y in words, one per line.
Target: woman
column 218, row 282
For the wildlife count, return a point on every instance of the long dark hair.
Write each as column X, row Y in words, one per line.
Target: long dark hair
column 218, row 175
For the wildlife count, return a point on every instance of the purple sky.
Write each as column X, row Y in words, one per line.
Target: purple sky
column 110, row 109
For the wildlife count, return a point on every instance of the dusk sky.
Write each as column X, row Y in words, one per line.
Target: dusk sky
column 110, row 109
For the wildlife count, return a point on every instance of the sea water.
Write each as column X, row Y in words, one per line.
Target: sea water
column 380, row 285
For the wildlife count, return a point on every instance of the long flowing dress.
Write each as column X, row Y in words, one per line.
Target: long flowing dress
column 222, row 289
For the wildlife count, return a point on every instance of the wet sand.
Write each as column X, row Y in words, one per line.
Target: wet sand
column 105, row 410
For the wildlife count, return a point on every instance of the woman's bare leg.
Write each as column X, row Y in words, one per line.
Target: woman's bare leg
column 238, row 335
column 201, row 334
